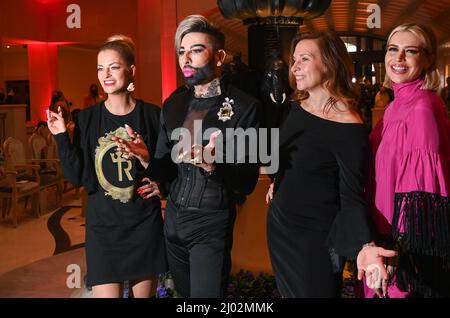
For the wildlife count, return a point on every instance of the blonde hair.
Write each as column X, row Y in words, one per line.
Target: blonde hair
column 123, row 45
column 198, row 23
column 429, row 45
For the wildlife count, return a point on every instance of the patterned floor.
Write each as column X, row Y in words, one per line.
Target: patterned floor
column 33, row 240
column 38, row 252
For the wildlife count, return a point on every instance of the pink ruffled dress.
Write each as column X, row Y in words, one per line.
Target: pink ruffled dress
column 410, row 188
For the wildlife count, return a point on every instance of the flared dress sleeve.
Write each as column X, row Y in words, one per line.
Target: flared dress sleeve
column 421, row 219
column 351, row 227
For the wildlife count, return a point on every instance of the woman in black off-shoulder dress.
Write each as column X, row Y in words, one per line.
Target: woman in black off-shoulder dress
column 318, row 214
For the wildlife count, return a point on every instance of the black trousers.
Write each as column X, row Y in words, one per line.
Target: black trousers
column 198, row 243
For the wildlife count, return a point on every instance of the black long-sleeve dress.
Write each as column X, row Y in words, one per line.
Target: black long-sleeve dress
column 124, row 233
column 318, row 214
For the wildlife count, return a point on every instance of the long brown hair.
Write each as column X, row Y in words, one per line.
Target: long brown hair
column 338, row 65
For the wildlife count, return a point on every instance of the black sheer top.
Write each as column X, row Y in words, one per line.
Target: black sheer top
column 189, row 185
column 192, row 180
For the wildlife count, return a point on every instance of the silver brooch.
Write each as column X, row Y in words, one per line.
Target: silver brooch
column 226, row 111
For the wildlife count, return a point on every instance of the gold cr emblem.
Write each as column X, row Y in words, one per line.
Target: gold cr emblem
column 123, row 165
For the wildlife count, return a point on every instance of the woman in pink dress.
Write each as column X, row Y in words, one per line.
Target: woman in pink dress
column 410, row 181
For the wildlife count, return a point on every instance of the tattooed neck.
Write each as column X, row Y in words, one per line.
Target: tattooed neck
column 212, row 89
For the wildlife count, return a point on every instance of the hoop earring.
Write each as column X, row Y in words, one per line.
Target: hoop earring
column 130, row 87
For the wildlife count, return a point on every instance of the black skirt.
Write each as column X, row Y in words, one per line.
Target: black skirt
column 124, row 241
column 300, row 259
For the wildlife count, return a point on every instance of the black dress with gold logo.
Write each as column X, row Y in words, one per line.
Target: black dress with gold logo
column 124, row 233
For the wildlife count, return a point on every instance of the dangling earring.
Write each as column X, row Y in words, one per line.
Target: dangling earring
column 130, row 87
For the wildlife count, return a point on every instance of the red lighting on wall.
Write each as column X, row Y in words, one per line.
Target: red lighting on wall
column 42, row 68
column 13, row 41
column 42, row 72
column 49, row 1
column 168, row 63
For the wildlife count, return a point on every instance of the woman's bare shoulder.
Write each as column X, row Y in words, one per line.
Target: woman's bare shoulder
column 343, row 114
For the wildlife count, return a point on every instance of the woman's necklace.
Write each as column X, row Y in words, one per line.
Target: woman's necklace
column 330, row 102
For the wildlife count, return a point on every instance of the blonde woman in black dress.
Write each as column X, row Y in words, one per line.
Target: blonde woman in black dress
column 124, row 237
